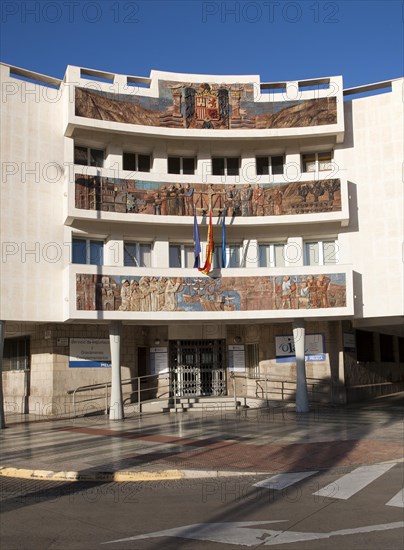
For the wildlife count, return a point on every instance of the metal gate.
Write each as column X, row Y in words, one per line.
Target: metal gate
column 198, row 367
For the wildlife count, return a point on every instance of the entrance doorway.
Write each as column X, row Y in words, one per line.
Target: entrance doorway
column 198, row 367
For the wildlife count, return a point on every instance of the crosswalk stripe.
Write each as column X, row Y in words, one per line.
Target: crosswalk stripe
column 349, row 484
column 397, row 500
column 281, row 481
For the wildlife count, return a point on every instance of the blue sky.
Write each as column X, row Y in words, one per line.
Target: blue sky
column 276, row 39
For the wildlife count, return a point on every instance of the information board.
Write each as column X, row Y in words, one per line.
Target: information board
column 237, row 358
column 158, row 360
column 314, row 348
column 89, row 353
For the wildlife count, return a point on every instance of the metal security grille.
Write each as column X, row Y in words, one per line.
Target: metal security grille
column 198, row 367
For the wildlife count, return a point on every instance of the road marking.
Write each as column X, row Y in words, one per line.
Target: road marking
column 281, row 481
column 243, row 533
column 397, row 500
column 346, row 486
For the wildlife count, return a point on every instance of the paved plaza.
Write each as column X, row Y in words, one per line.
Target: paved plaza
column 214, row 441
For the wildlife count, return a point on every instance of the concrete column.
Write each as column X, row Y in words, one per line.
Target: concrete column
column 251, row 252
column 113, row 250
column 302, row 400
column 159, row 160
column 294, row 252
column 204, row 164
column 116, row 407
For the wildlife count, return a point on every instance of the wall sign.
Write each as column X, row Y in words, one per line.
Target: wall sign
column 89, row 353
column 237, row 358
column 62, row 341
column 349, row 341
column 314, row 348
column 158, row 360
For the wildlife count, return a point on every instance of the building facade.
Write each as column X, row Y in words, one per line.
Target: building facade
column 107, row 181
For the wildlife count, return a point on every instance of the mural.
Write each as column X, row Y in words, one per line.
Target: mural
column 204, row 106
column 110, row 293
column 145, row 197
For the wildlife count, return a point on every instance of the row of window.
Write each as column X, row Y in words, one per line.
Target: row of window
column 365, row 347
column 221, row 166
column 16, row 354
column 89, row 251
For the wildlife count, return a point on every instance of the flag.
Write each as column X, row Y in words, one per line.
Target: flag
column 209, row 249
column 197, row 242
column 224, row 238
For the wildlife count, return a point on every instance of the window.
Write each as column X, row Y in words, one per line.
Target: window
column 233, row 256
column 364, row 345
column 321, row 252
column 181, row 165
column 88, row 157
column 271, row 255
column 135, row 162
column 225, row 166
column 269, row 165
column 137, row 254
column 16, row 354
column 87, row 251
column 386, row 348
column 252, row 360
column 317, row 162
column 401, row 350
column 181, row 255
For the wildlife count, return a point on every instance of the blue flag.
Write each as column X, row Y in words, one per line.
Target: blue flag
column 224, row 238
column 197, row 242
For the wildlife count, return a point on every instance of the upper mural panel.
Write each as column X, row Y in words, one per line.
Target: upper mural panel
column 204, row 106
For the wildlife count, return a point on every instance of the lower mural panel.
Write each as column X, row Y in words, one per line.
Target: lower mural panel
column 115, row 293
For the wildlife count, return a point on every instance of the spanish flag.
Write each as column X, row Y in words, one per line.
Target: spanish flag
column 209, row 249
column 197, row 242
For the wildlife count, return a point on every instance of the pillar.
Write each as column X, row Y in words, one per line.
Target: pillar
column 299, row 333
column 116, row 406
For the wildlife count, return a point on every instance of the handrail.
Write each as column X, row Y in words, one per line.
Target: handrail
column 313, row 382
column 107, row 385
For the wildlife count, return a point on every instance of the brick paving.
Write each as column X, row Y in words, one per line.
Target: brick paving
column 271, row 440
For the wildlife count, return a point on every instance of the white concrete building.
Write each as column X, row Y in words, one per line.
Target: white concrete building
column 101, row 177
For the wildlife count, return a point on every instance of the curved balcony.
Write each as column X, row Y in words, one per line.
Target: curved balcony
column 164, row 295
column 145, row 201
column 203, row 107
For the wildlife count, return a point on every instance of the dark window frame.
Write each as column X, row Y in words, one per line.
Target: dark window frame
column 22, row 357
column 136, row 162
column 365, row 346
column 220, row 166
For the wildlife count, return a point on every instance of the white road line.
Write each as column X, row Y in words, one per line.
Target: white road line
column 346, row 486
column 281, row 481
column 397, row 500
column 245, row 533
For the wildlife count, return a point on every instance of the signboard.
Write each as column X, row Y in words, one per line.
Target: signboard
column 237, row 358
column 314, row 348
column 89, row 353
column 62, row 341
column 349, row 341
column 158, row 360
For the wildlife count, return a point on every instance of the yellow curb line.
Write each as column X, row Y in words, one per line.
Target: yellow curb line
column 160, row 475
column 48, row 475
